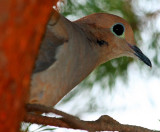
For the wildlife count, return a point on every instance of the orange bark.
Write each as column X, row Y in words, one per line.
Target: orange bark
column 22, row 23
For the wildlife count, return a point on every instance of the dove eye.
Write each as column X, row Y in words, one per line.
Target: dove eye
column 118, row 29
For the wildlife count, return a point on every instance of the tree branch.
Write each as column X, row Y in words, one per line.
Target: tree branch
column 104, row 123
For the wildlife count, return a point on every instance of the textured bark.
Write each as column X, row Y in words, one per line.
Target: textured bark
column 104, row 123
column 22, row 23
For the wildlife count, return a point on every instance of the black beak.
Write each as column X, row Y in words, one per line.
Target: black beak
column 140, row 55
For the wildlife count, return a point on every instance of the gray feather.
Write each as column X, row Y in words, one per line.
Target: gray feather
column 47, row 51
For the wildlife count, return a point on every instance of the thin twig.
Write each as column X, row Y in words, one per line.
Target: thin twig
column 104, row 123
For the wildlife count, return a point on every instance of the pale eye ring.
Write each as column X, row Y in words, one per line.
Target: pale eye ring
column 118, row 29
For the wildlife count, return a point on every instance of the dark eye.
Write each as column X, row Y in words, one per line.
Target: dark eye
column 118, row 29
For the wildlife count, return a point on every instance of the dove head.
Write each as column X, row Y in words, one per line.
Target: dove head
column 113, row 36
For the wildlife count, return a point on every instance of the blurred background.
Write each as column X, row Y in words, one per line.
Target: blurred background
column 124, row 88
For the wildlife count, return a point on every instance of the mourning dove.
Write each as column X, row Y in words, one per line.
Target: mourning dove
column 70, row 51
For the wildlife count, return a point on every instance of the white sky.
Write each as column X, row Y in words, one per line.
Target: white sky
column 137, row 103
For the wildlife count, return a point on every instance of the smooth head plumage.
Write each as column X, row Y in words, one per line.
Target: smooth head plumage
column 115, row 32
